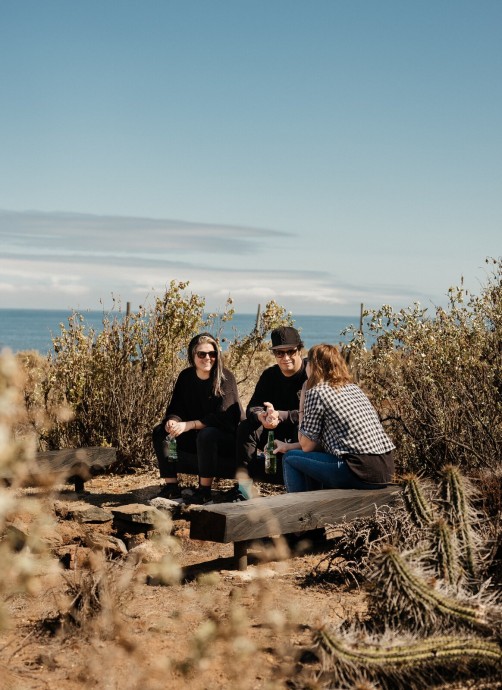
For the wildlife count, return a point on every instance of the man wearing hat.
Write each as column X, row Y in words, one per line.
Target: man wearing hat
column 274, row 403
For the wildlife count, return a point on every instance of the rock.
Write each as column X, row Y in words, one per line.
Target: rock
column 89, row 513
column 147, row 552
column 17, row 535
column 73, row 557
column 36, row 537
column 104, row 542
column 137, row 513
column 165, row 504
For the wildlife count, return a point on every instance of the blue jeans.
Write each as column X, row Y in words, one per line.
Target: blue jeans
column 309, row 471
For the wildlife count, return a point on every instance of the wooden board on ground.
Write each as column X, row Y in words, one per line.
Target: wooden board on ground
column 285, row 513
column 75, row 465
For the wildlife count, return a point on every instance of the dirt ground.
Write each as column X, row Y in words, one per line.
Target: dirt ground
column 213, row 627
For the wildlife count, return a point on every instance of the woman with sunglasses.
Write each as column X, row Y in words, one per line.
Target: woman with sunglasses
column 343, row 444
column 202, row 416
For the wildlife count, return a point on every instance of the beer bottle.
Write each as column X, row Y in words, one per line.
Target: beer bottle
column 270, row 456
column 172, row 449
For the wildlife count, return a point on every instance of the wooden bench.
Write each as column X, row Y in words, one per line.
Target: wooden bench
column 70, row 465
column 243, row 522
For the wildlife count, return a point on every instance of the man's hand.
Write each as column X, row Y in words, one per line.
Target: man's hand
column 269, row 418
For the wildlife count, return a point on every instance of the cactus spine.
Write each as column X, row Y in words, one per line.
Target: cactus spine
column 441, row 648
column 419, row 508
column 445, row 547
column 455, row 495
column 428, row 604
column 389, row 664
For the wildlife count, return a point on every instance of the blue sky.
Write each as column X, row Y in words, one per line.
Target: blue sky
column 321, row 153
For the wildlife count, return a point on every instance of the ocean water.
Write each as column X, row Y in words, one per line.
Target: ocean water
column 32, row 329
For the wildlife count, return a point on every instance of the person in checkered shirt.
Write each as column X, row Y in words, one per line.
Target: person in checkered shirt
column 342, row 444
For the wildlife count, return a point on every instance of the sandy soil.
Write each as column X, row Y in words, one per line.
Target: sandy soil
column 214, row 628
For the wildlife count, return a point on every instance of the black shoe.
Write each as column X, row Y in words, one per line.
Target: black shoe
column 199, row 497
column 172, row 492
column 234, row 495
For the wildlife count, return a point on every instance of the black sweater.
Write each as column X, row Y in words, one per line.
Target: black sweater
column 193, row 398
column 284, row 394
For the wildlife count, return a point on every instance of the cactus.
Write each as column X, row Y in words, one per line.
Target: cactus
column 407, row 595
column 456, row 491
column 348, row 661
column 446, row 550
column 419, row 508
column 404, row 588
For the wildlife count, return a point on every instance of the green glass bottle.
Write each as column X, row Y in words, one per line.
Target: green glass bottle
column 172, row 449
column 270, row 456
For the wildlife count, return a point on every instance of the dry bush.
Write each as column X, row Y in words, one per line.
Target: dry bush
column 348, row 560
column 437, row 380
column 117, row 382
column 25, row 558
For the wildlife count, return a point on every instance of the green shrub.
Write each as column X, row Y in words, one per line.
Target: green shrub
column 117, row 381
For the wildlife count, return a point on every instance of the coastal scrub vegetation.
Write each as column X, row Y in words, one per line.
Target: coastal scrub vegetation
column 436, row 379
column 116, row 382
column 429, row 570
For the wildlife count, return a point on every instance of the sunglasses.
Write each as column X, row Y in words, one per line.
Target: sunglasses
column 282, row 353
column 203, row 355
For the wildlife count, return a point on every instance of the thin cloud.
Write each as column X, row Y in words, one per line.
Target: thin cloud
column 72, row 233
column 61, row 260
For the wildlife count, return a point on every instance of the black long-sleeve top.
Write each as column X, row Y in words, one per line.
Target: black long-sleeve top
column 193, row 399
column 284, row 394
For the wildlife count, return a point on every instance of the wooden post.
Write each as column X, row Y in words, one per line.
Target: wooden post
column 79, row 484
column 361, row 319
column 257, row 318
column 241, row 555
column 128, row 309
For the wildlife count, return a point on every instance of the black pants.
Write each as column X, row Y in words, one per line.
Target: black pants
column 215, row 456
column 250, row 440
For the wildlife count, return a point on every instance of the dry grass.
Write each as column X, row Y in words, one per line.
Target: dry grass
column 102, row 624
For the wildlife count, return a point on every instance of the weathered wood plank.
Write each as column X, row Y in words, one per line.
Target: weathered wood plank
column 75, row 459
column 70, row 464
column 285, row 513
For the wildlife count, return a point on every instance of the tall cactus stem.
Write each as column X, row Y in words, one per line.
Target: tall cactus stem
column 446, row 551
column 419, row 508
column 434, row 650
column 406, row 583
column 454, row 493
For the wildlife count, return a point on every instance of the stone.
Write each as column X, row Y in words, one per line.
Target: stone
column 165, row 504
column 89, row 513
column 21, row 535
column 104, row 542
column 137, row 513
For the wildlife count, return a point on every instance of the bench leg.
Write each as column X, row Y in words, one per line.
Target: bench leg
column 79, row 485
column 241, row 555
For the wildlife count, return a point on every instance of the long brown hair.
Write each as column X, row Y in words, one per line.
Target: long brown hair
column 327, row 366
column 217, row 376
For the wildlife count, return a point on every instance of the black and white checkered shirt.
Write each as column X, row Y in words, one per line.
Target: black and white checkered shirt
column 343, row 421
